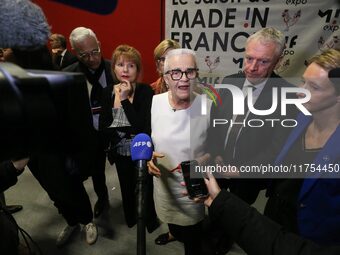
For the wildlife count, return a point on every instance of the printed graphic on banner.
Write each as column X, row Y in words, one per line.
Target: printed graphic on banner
column 218, row 30
column 290, row 20
column 212, row 63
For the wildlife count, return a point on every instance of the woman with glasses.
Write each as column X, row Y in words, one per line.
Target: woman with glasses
column 160, row 51
column 178, row 133
column 126, row 113
column 158, row 87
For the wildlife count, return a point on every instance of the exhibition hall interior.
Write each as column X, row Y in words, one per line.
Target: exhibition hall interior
column 195, row 127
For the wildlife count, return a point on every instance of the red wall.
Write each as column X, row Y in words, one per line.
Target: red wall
column 133, row 22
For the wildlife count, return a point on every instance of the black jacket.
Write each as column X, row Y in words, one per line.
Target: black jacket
column 255, row 145
column 68, row 59
column 257, row 234
column 138, row 113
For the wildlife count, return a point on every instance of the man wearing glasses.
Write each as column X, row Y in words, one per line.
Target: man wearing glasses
column 241, row 144
column 85, row 44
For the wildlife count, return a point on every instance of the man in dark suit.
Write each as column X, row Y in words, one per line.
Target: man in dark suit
column 240, row 143
column 98, row 73
column 60, row 55
column 244, row 144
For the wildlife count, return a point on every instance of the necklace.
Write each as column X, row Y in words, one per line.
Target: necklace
column 179, row 105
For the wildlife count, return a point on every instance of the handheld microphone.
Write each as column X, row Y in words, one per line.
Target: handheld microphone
column 141, row 149
column 23, row 24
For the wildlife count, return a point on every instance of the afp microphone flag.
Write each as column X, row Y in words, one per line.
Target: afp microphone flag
column 141, row 147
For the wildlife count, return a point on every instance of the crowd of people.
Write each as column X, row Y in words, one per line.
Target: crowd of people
column 301, row 211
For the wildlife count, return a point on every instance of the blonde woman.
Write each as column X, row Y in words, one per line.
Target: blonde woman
column 160, row 51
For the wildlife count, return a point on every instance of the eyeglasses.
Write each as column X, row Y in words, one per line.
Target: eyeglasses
column 87, row 55
column 177, row 74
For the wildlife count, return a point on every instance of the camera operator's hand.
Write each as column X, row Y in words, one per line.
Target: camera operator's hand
column 20, row 164
column 213, row 189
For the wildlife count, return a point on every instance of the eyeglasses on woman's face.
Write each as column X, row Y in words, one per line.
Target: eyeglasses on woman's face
column 177, row 74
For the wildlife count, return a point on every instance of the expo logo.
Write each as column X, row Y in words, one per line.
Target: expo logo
column 330, row 14
column 142, row 143
column 331, row 27
column 295, row 2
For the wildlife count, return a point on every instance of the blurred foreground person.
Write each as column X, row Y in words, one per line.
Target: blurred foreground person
column 254, row 233
column 9, row 170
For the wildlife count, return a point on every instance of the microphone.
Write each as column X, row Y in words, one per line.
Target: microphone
column 141, row 149
column 334, row 75
column 23, row 25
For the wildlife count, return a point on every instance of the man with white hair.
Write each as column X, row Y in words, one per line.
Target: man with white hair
column 98, row 74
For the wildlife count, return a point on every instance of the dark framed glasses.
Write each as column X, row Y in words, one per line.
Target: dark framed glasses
column 177, row 74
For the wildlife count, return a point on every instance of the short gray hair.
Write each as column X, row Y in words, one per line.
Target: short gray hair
column 176, row 52
column 80, row 33
column 270, row 35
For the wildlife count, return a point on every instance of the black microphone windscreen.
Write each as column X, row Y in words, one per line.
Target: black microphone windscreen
column 23, row 25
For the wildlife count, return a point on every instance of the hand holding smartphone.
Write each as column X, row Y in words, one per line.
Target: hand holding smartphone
column 196, row 186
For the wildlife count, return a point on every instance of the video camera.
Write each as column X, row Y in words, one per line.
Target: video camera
column 43, row 111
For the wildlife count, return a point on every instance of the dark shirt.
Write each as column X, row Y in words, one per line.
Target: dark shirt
column 283, row 202
column 256, row 234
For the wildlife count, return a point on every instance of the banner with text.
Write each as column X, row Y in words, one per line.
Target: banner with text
column 217, row 31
